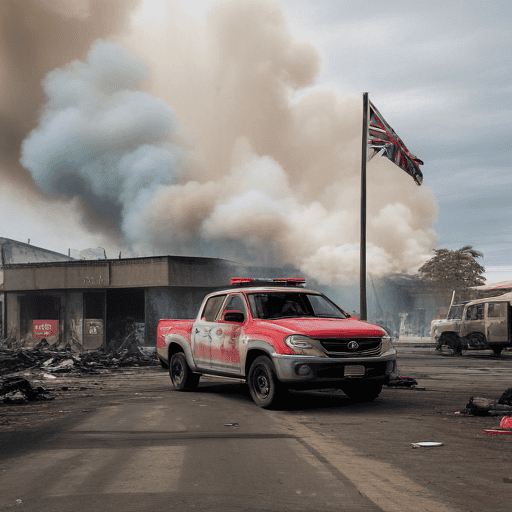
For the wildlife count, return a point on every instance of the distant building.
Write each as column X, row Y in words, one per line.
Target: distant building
column 89, row 303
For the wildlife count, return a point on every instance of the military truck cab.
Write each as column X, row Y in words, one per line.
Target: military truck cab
column 485, row 324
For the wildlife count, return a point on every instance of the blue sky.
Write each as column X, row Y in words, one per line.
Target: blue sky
column 439, row 72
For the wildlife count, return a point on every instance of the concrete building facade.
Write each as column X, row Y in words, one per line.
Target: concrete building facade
column 88, row 303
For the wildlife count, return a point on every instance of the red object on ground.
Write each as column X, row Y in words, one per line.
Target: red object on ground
column 506, row 422
column 497, row 431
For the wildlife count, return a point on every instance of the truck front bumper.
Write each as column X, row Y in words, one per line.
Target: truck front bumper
column 305, row 370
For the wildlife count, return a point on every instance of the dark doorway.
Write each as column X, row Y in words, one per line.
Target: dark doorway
column 125, row 308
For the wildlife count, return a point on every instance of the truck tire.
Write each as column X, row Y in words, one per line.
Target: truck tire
column 265, row 388
column 498, row 349
column 453, row 342
column 181, row 375
column 362, row 391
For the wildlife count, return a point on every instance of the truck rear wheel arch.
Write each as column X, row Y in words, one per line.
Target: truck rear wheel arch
column 180, row 373
column 175, row 347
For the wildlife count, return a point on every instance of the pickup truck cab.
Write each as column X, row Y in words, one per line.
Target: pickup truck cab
column 276, row 335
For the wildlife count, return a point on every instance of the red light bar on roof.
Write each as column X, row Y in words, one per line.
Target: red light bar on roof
column 290, row 281
column 241, row 280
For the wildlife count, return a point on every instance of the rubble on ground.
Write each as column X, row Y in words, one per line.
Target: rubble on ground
column 55, row 360
column 402, row 382
column 481, row 406
column 506, row 397
column 15, row 390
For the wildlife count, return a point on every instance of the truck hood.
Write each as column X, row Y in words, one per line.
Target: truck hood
column 325, row 327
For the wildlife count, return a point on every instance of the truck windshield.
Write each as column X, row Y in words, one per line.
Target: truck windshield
column 272, row 305
column 456, row 312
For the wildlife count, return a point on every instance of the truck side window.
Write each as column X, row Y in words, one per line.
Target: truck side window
column 475, row 312
column 496, row 309
column 212, row 307
column 235, row 303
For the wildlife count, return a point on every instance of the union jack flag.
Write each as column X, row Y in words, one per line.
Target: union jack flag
column 382, row 139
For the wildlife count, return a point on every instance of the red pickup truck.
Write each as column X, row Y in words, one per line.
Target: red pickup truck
column 276, row 335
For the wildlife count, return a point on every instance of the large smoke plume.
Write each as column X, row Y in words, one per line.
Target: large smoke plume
column 203, row 137
column 38, row 36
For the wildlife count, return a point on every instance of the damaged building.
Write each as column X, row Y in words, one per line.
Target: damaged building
column 86, row 304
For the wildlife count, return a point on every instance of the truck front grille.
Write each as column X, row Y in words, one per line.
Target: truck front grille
column 336, row 347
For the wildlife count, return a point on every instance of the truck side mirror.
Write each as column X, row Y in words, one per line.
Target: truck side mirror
column 235, row 317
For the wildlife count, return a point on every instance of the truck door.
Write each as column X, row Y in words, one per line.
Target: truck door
column 497, row 322
column 225, row 346
column 201, row 337
column 473, row 321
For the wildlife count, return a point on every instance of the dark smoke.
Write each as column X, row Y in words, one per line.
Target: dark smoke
column 36, row 37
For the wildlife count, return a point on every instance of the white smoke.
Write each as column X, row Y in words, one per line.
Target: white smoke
column 99, row 137
column 259, row 177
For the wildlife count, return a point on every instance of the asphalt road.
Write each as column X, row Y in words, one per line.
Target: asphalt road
column 139, row 445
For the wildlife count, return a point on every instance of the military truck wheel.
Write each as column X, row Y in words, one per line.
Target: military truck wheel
column 498, row 349
column 452, row 341
column 182, row 377
column 362, row 391
column 265, row 388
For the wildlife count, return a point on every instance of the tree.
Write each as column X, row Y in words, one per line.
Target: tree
column 453, row 270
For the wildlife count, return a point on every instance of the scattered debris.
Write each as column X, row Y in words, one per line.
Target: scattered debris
column 18, row 389
column 481, row 406
column 53, row 360
column 402, row 382
column 506, row 397
column 426, row 444
column 504, row 428
column 506, row 422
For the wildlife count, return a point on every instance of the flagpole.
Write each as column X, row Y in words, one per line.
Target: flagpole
column 362, row 244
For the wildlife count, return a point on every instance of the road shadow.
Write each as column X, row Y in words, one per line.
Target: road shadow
column 478, row 354
column 328, row 399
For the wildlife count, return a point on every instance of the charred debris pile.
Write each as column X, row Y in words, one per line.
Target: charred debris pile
column 45, row 362
column 50, row 359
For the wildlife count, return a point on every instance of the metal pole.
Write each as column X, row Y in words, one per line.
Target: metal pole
column 362, row 266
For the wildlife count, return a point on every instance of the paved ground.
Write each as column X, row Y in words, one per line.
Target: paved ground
column 366, row 447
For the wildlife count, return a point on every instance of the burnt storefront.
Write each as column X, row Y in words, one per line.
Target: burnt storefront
column 93, row 303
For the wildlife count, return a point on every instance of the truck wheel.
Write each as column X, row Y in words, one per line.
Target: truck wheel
column 453, row 343
column 181, row 375
column 264, row 386
column 497, row 349
column 362, row 391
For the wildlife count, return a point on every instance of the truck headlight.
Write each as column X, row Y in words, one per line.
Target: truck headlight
column 303, row 345
column 298, row 341
column 386, row 344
